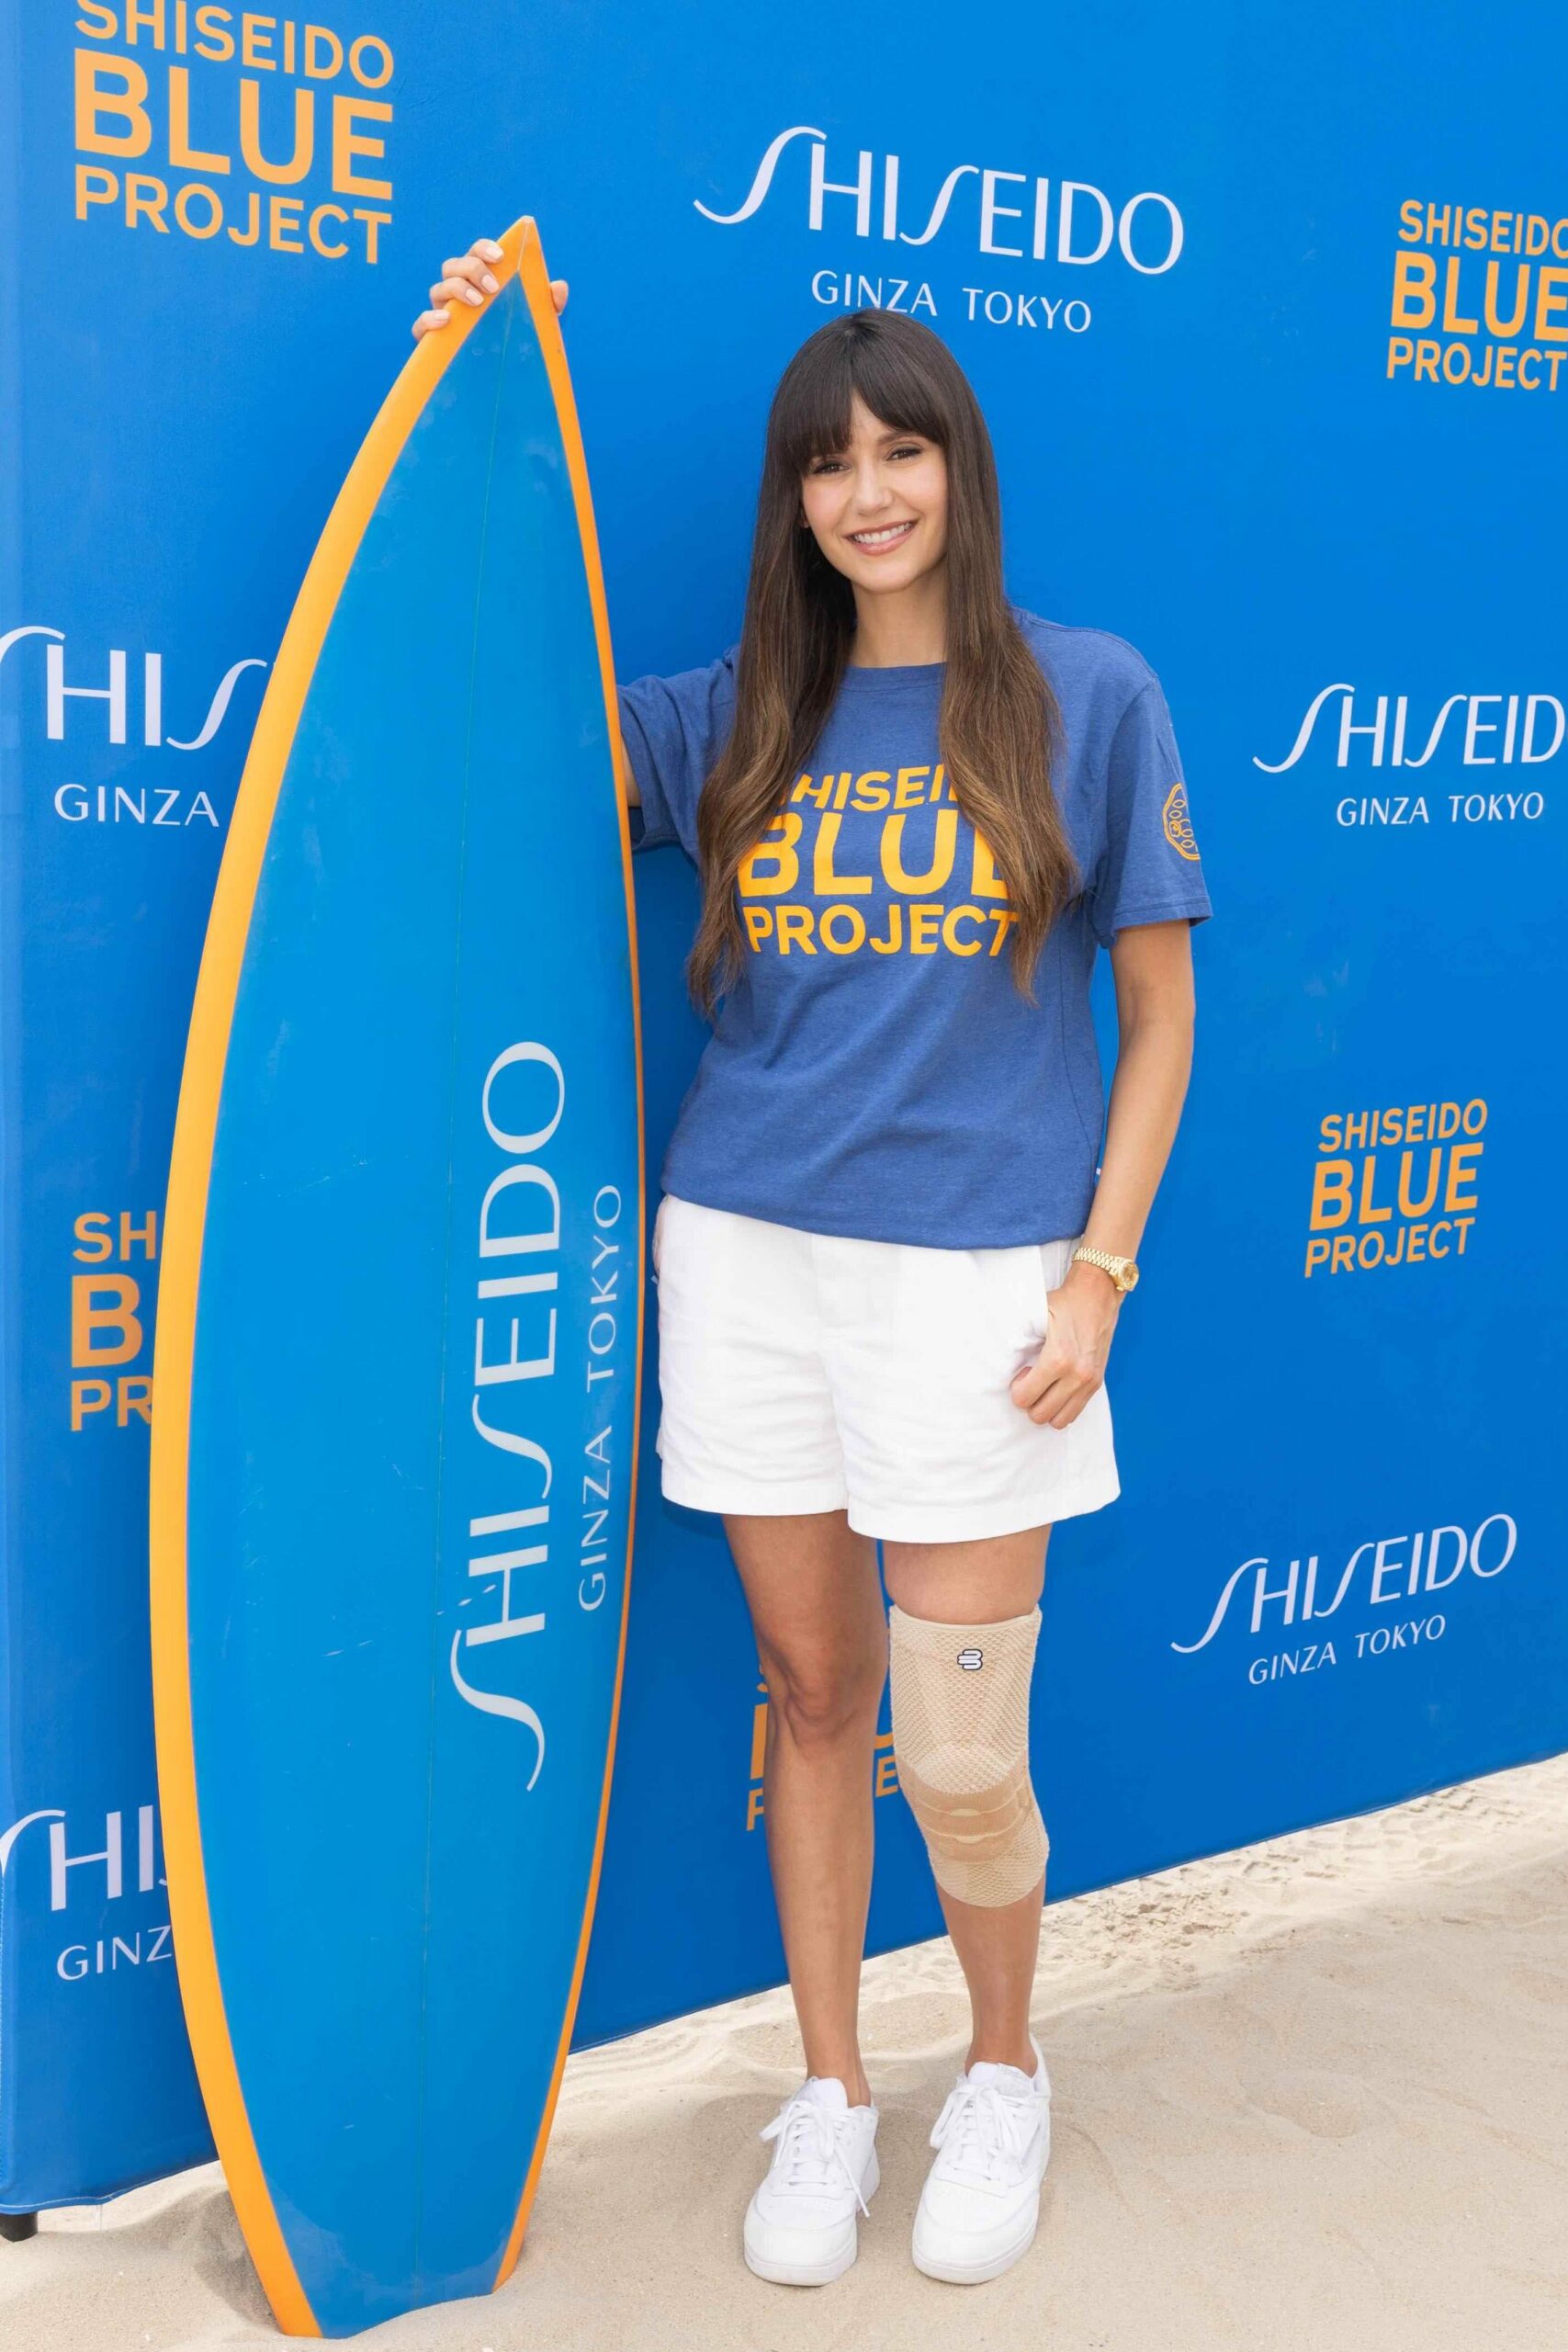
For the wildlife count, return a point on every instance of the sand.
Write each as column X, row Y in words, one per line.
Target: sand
column 1313, row 2094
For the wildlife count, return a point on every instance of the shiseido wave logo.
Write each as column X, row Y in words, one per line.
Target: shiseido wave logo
column 110, row 686
column 50, row 1864
column 100, row 700
column 125, row 1860
column 1018, row 215
column 519, row 1381
column 1476, row 730
column 1382, row 1572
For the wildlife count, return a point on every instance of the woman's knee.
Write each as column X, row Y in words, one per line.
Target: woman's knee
column 961, row 1744
column 818, row 1702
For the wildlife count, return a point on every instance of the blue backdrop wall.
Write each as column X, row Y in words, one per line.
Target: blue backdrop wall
column 1269, row 321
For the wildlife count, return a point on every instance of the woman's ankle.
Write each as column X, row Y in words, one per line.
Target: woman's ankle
column 1001, row 2050
column 851, row 2072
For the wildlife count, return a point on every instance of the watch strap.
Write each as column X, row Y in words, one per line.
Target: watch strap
column 1117, row 1267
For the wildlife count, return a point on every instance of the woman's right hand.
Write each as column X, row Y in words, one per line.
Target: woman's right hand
column 468, row 278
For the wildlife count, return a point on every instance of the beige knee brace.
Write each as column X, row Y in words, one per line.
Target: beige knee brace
column 961, row 1741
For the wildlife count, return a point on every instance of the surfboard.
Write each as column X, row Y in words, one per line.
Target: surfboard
column 399, row 1352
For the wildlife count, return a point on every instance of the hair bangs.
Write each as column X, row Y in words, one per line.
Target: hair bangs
column 815, row 398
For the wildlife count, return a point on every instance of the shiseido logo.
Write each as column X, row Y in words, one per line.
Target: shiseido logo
column 126, row 1862
column 1018, row 215
column 1382, row 1572
column 107, row 698
column 495, row 1566
column 1478, row 730
column 43, row 1850
column 515, row 1333
column 108, row 682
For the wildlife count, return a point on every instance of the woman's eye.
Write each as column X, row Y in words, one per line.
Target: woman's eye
column 835, row 465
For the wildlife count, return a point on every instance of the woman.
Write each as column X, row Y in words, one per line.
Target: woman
column 887, row 1277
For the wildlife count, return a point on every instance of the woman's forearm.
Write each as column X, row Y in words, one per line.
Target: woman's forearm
column 1155, row 1002
column 1153, row 1061
column 1155, row 1010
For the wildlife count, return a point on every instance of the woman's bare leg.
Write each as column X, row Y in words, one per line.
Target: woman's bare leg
column 979, row 1584
column 810, row 1583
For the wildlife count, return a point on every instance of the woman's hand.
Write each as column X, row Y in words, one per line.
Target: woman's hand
column 1071, row 1366
column 468, row 278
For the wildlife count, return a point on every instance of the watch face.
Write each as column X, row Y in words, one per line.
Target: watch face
column 1129, row 1276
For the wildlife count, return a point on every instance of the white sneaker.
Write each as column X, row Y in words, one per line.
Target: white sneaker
column 801, row 2226
column 981, row 2201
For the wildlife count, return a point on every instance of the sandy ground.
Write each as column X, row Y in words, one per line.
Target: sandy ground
column 1313, row 2093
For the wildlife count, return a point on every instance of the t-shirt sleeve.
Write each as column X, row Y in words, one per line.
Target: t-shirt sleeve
column 674, row 730
column 1149, row 870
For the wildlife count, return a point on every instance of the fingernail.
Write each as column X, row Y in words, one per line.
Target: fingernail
column 472, row 294
column 490, row 250
column 490, row 284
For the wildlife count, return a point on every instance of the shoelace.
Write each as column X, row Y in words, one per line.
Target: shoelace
column 812, row 2147
column 982, row 2129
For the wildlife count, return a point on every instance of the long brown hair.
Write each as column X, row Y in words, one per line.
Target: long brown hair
column 1001, row 725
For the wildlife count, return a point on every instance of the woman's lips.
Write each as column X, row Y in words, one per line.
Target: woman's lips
column 881, row 547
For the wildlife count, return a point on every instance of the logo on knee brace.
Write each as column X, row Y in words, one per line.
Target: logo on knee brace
column 971, row 1660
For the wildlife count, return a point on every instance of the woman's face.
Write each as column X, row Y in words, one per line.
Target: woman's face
column 879, row 508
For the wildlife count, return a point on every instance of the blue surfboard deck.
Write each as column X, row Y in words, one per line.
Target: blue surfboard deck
column 399, row 1351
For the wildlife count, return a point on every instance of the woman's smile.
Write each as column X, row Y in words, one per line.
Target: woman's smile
column 886, row 535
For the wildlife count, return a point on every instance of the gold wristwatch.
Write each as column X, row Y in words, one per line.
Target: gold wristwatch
column 1123, row 1271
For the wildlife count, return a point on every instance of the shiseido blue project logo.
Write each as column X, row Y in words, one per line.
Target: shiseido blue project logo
column 1394, row 1185
column 1478, row 298
column 278, row 172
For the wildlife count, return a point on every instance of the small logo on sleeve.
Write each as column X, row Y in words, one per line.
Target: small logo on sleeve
column 971, row 1660
column 1178, row 825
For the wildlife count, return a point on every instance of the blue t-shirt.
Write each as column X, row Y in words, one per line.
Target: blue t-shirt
column 873, row 1070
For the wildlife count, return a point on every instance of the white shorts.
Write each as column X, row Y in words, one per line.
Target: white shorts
column 804, row 1372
